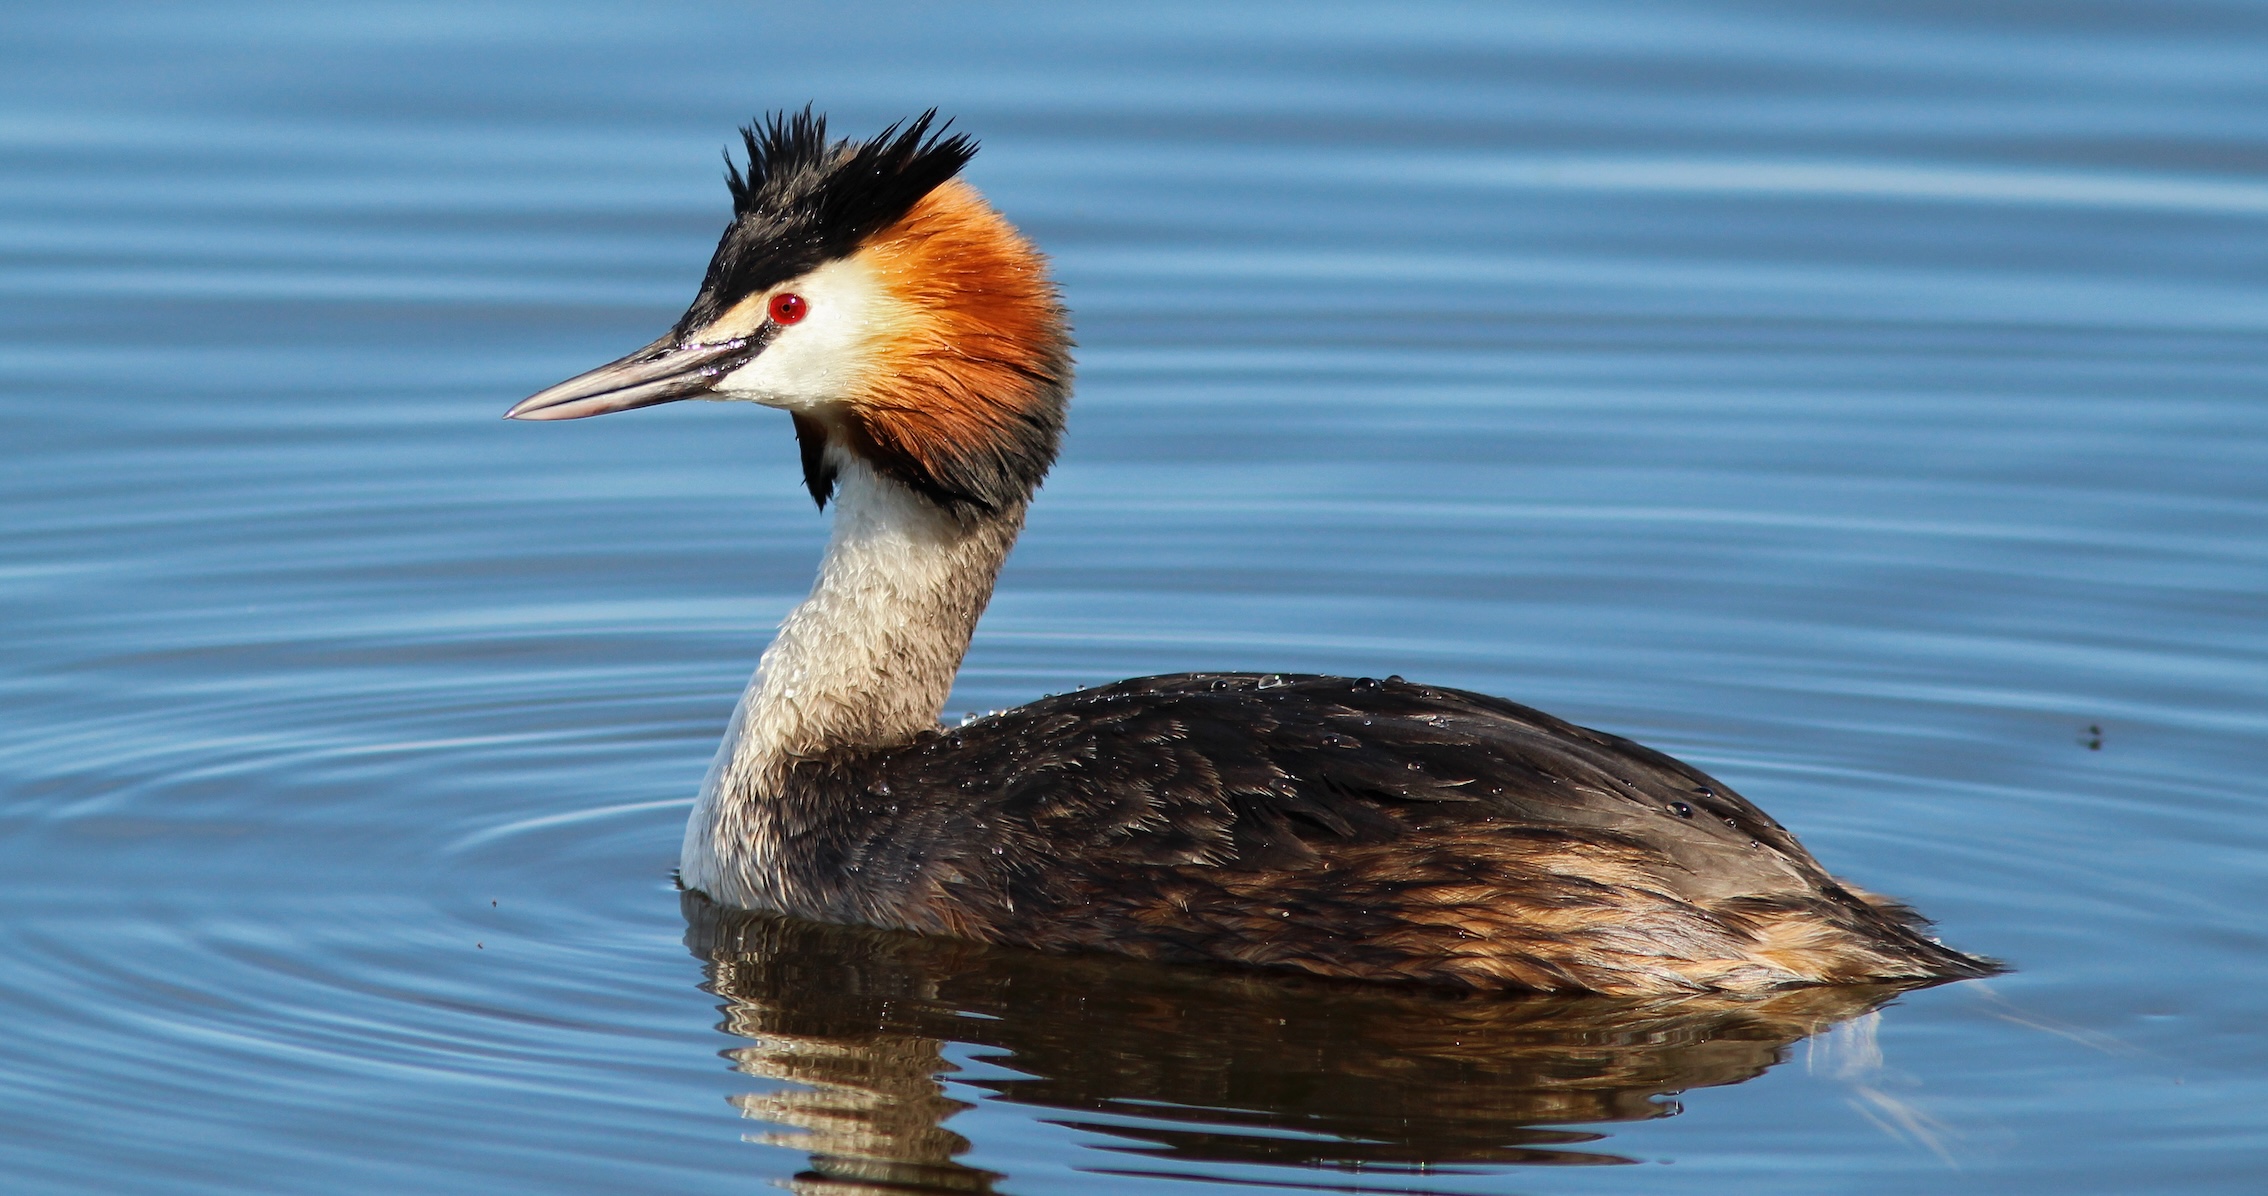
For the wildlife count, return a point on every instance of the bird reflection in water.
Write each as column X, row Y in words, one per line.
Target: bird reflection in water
column 1183, row 1069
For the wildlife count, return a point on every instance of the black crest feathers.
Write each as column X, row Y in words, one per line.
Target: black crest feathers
column 803, row 200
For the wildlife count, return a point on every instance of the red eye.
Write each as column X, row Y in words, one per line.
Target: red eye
column 787, row 309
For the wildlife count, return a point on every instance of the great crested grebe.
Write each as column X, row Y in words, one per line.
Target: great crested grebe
column 1347, row 827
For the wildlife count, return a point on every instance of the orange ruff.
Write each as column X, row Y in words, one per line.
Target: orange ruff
column 981, row 349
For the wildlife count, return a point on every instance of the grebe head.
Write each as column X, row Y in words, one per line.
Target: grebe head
column 878, row 299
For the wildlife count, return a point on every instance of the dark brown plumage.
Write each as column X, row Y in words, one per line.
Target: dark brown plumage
column 1344, row 827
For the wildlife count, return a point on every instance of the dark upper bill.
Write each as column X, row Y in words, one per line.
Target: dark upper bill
column 661, row 372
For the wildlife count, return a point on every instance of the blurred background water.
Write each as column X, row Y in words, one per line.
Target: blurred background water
column 1862, row 401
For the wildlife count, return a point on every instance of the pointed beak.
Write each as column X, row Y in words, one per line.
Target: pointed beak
column 662, row 372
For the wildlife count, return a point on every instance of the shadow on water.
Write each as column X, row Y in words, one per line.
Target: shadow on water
column 1180, row 1066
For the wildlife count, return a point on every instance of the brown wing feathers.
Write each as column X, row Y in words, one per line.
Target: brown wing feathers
column 1353, row 828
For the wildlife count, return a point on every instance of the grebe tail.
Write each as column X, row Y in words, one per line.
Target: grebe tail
column 1359, row 828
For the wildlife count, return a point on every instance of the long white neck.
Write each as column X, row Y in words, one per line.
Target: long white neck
column 866, row 661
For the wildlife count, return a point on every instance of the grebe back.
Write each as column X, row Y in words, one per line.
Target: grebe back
column 1347, row 827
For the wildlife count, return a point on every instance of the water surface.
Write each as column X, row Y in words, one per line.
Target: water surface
column 1864, row 404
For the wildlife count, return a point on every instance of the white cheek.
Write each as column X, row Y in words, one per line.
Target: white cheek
column 823, row 357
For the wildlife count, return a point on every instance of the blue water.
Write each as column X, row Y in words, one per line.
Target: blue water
column 1863, row 402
